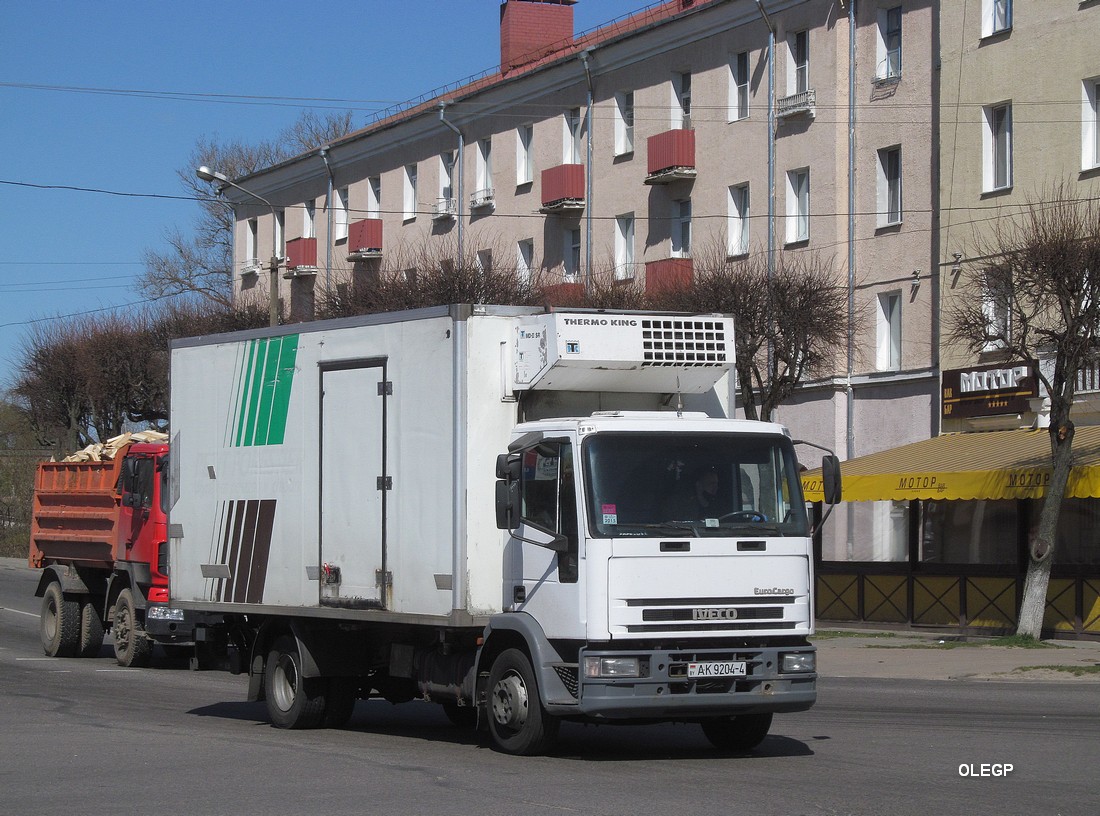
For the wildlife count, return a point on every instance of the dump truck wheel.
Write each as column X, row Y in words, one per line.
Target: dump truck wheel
column 292, row 701
column 59, row 625
column 91, row 630
column 741, row 733
column 517, row 721
column 132, row 648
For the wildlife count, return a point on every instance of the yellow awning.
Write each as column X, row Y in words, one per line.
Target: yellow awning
column 980, row 465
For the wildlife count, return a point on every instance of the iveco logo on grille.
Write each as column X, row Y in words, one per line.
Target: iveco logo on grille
column 704, row 613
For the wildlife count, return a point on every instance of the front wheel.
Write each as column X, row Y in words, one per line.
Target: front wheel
column 741, row 733
column 517, row 721
column 59, row 624
column 292, row 701
column 132, row 648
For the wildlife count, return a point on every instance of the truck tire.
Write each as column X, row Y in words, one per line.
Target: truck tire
column 292, row 701
column 59, row 625
column 340, row 701
column 91, row 630
column 741, row 733
column 518, row 723
column 132, row 648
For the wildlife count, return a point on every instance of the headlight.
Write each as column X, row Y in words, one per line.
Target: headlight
column 164, row 613
column 798, row 662
column 612, row 667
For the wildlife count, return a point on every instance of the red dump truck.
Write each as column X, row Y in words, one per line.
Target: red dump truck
column 99, row 535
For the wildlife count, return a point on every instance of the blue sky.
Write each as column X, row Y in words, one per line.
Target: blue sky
column 113, row 96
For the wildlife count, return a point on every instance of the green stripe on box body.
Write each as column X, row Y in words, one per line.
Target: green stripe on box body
column 263, row 399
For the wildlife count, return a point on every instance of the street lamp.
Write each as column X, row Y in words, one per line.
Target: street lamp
column 206, row 174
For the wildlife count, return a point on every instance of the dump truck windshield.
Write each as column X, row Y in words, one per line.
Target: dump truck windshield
column 693, row 484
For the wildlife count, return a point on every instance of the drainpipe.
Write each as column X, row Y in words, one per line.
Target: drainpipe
column 323, row 153
column 850, row 392
column 771, row 164
column 461, row 177
column 585, row 54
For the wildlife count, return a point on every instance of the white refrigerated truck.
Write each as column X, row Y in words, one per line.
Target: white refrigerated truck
column 527, row 516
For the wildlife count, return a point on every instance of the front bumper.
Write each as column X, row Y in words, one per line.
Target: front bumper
column 665, row 692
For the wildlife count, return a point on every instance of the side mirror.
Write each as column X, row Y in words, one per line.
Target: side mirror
column 830, row 479
column 507, row 501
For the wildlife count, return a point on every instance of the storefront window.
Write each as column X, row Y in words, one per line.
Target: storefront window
column 969, row 532
column 1078, row 540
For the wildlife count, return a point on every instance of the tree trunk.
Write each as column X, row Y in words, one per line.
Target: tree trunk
column 1041, row 543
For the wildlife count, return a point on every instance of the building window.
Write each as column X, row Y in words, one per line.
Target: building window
column 525, row 258
column 572, row 253
column 889, row 43
column 446, row 176
column 798, row 205
column 681, row 101
column 798, row 63
column 889, row 186
column 525, row 164
column 997, row 147
column 624, row 123
column 251, row 230
column 888, row 345
column 738, row 229
column 340, row 215
column 681, row 228
column 374, row 198
column 996, row 308
column 409, row 190
column 484, row 171
column 309, row 220
column 1090, row 124
column 624, row 246
column 573, row 136
column 996, row 16
column 739, row 87
column 484, row 260
column 280, row 232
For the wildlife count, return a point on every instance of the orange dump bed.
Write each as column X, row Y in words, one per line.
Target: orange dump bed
column 76, row 513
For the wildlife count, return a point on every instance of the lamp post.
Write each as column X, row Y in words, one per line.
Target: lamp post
column 206, row 174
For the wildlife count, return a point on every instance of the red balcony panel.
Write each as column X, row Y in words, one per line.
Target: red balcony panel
column 365, row 235
column 301, row 252
column 668, row 274
column 563, row 183
column 564, row 294
column 673, row 148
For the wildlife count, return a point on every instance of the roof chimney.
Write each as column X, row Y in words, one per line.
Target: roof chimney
column 530, row 29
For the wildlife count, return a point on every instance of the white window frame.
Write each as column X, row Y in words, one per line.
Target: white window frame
column 996, row 17
column 889, row 189
column 737, row 230
column 681, row 100
column 571, row 253
column 997, row 147
column 484, row 168
column 739, row 87
column 525, row 161
column 798, row 62
column 251, row 242
column 309, row 220
column 681, row 228
column 340, row 214
column 280, row 232
column 997, row 316
column 624, row 122
column 525, row 258
column 889, row 43
column 447, row 176
column 408, row 192
column 888, row 332
column 798, row 205
column 484, row 260
column 374, row 198
column 624, row 246
column 1090, row 123
column 573, row 137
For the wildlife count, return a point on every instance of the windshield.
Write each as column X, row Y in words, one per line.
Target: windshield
column 693, row 484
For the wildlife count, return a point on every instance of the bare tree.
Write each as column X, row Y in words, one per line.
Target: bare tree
column 1036, row 295
column 200, row 261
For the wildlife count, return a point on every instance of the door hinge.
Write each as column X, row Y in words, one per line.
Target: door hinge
column 385, row 388
column 385, row 483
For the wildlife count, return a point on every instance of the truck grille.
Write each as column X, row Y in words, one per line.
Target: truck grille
column 683, row 342
column 708, row 614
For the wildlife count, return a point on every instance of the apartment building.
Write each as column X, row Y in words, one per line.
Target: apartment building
column 1015, row 111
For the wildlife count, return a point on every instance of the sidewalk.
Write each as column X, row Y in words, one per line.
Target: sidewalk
column 947, row 656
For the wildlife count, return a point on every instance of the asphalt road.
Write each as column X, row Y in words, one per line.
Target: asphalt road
column 83, row 736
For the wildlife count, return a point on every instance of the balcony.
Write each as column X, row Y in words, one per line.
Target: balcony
column 671, row 156
column 483, row 199
column 797, row 104
column 301, row 257
column 251, row 268
column 365, row 239
column 668, row 274
column 563, row 188
column 444, row 210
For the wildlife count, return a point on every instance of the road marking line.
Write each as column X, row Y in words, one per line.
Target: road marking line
column 19, row 612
